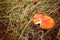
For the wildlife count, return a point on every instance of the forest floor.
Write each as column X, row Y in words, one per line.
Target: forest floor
column 16, row 19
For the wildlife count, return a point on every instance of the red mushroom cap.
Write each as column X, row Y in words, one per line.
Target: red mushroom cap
column 46, row 22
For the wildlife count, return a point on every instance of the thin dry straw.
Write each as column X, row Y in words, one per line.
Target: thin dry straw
column 54, row 5
column 26, row 26
column 54, row 10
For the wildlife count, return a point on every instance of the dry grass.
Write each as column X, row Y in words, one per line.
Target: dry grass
column 16, row 19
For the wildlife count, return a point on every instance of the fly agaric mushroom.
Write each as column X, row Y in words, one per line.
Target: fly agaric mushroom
column 45, row 21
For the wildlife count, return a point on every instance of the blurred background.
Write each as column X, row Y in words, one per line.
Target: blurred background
column 16, row 19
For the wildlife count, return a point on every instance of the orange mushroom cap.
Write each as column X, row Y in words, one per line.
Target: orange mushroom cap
column 45, row 21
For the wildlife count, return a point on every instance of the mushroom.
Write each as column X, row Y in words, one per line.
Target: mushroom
column 45, row 21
